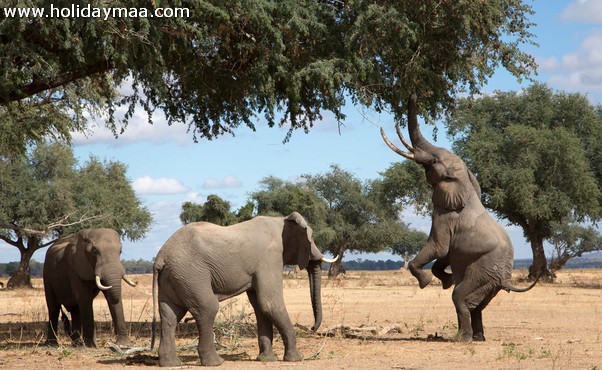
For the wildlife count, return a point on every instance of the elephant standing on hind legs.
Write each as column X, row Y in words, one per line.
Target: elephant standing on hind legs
column 76, row 268
column 203, row 264
column 463, row 234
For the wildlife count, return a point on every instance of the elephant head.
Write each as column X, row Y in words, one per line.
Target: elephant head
column 96, row 256
column 453, row 184
column 300, row 249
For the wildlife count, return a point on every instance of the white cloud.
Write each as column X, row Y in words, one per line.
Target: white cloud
column 229, row 182
column 583, row 11
column 161, row 185
column 578, row 70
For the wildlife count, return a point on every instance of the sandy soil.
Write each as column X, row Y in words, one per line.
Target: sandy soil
column 372, row 320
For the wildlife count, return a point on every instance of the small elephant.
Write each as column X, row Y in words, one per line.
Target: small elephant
column 463, row 234
column 76, row 268
column 203, row 264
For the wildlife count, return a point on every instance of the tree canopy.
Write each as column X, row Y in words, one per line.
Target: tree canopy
column 45, row 195
column 536, row 155
column 223, row 62
column 215, row 210
column 346, row 214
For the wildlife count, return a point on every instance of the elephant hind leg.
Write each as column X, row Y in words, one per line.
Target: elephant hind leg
column 477, row 318
column 170, row 316
column 204, row 315
column 265, row 330
column 470, row 299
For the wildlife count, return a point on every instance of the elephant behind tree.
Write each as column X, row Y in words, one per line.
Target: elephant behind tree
column 76, row 268
column 463, row 234
column 203, row 263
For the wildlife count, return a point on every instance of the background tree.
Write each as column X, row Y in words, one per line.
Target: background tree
column 215, row 210
column 346, row 214
column 409, row 245
column 286, row 59
column 45, row 195
column 537, row 157
column 571, row 240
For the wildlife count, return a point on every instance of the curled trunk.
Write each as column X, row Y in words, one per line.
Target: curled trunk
column 314, row 270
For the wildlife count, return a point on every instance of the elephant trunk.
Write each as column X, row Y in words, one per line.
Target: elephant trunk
column 424, row 148
column 314, row 269
column 111, row 279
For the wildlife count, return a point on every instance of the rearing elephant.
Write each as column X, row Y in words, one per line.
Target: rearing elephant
column 76, row 268
column 463, row 234
column 203, row 264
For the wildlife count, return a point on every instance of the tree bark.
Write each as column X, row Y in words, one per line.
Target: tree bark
column 22, row 278
column 337, row 268
column 540, row 263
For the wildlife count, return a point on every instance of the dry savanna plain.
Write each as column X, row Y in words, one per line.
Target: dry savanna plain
column 372, row 320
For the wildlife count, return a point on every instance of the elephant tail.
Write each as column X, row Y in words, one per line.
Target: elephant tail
column 507, row 286
column 156, row 270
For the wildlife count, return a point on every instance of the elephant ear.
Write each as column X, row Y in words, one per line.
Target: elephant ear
column 77, row 257
column 299, row 246
column 453, row 192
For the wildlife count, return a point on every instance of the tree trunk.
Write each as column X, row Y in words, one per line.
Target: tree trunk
column 337, row 268
column 22, row 278
column 540, row 263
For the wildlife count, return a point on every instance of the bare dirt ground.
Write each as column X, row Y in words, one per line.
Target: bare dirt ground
column 372, row 320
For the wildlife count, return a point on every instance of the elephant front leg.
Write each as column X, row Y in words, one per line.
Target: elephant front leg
column 265, row 331
column 438, row 269
column 430, row 252
column 87, row 323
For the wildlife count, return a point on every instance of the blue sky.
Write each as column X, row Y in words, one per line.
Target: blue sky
column 167, row 168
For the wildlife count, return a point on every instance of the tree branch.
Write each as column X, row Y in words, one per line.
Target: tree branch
column 40, row 85
column 62, row 222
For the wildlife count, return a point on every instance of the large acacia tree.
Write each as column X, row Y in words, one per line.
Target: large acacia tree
column 537, row 155
column 46, row 194
column 288, row 60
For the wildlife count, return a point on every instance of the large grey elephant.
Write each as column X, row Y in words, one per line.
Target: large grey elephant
column 76, row 268
column 203, row 264
column 463, row 234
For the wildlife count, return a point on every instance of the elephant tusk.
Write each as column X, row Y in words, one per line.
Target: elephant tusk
column 394, row 148
column 129, row 282
column 330, row 260
column 100, row 286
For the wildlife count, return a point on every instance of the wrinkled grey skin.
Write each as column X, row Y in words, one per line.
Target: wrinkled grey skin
column 70, row 268
column 463, row 234
column 203, row 264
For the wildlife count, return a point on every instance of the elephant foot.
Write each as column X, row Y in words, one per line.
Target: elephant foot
column 463, row 337
column 447, row 281
column 123, row 342
column 293, row 356
column 212, row 360
column 267, row 357
column 423, row 280
column 165, row 361
column 479, row 337
column 91, row 344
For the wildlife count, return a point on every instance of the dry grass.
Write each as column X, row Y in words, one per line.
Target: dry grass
column 554, row 326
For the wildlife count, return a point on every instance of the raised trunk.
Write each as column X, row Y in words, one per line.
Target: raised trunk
column 314, row 269
column 425, row 148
